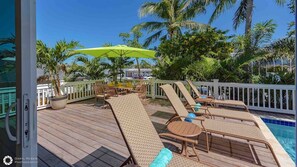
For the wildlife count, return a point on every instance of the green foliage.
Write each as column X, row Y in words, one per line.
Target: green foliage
column 195, row 55
column 282, row 77
column 84, row 67
column 242, row 13
column 175, row 15
column 144, row 64
column 52, row 60
column 193, row 45
column 202, row 70
column 115, row 66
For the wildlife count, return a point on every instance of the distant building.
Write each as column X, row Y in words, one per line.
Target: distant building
column 133, row 72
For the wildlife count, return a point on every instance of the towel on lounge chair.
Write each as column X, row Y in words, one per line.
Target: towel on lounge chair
column 162, row 159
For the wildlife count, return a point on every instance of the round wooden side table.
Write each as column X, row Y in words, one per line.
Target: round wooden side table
column 186, row 130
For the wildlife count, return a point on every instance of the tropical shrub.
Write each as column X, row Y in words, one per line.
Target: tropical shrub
column 89, row 68
column 180, row 57
column 52, row 60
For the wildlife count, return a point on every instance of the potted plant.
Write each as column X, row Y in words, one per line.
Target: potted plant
column 52, row 62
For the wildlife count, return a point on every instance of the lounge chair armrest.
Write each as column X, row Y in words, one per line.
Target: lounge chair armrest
column 170, row 135
column 197, row 118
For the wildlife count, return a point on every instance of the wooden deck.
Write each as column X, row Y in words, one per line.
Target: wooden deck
column 85, row 135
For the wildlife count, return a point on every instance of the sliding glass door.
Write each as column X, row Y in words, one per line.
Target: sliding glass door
column 18, row 139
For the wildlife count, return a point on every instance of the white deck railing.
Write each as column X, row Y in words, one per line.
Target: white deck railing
column 262, row 97
column 270, row 98
column 76, row 91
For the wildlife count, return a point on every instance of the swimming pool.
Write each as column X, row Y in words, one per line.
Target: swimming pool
column 284, row 132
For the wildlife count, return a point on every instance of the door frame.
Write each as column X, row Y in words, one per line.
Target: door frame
column 26, row 82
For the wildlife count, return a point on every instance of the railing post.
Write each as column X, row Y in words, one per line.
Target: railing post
column 215, row 88
column 153, row 88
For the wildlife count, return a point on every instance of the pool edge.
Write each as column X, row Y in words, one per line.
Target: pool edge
column 281, row 154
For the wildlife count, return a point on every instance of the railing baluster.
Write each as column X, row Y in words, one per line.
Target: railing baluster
column 263, row 98
column 238, row 93
column 258, row 96
column 281, row 99
column 243, row 95
column 274, row 98
column 287, row 99
column 248, row 96
column 269, row 100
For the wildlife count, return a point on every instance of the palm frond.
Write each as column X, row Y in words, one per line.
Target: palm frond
column 191, row 25
column 152, row 38
column 220, row 7
column 280, row 2
column 147, row 8
column 240, row 14
column 262, row 32
column 149, row 26
column 192, row 10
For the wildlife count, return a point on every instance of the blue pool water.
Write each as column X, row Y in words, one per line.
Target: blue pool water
column 284, row 132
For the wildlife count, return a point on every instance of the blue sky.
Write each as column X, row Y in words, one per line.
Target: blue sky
column 95, row 22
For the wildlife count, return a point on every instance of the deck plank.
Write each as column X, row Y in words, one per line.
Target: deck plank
column 85, row 135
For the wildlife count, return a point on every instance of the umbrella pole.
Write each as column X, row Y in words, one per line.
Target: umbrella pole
column 121, row 67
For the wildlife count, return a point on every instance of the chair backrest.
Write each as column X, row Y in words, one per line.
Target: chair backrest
column 174, row 100
column 185, row 93
column 99, row 87
column 198, row 94
column 141, row 137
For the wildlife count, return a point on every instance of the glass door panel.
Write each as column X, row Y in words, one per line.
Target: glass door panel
column 7, row 80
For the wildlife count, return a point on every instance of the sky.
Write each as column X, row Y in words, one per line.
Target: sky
column 96, row 22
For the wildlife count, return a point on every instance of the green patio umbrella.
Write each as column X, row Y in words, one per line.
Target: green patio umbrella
column 118, row 51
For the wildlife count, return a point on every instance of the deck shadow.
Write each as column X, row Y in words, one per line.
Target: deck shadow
column 47, row 158
column 218, row 145
column 102, row 157
column 163, row 115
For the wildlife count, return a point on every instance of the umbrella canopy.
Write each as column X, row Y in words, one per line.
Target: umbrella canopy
column 118, row 51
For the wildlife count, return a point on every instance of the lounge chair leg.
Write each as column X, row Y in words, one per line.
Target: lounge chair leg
column 186, row 151
column 129, row 160
column 194, row 150
column 230, row 148
column 253, row 154
column 274, row 156
column 207, row 143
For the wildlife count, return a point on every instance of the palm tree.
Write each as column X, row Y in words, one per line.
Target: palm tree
column 243, row 13
column 52, row 60
column 132, row 39
column 260, row 36
column 84, row 67
column 115, row 66
column 172, row 16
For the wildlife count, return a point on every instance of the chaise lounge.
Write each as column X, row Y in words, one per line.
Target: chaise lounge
column 211, row 100
column 212, row 111
column 234, row 130
column 139, row 134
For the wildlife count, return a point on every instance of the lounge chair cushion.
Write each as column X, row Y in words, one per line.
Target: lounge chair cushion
column 163, row 158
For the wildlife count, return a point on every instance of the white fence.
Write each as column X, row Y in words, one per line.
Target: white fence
column 262, row 97
column 270, row 98
column 76, row 91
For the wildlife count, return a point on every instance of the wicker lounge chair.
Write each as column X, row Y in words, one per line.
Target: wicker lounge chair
column 211, row 100
column 239, row 131
column 212, row 111
column 139, row 133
